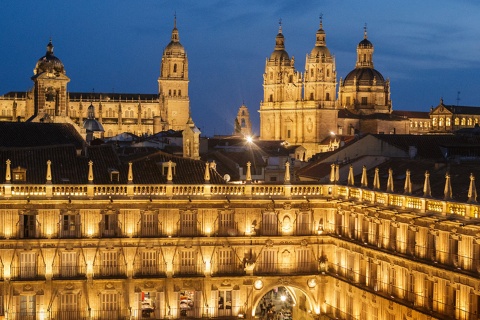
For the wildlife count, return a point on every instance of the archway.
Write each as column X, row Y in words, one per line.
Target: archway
column 284, row 302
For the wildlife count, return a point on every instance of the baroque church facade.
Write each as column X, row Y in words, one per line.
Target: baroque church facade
column 50, row 101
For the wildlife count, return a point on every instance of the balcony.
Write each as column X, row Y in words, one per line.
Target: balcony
column 187, row 270
column 27, row 273
column 109, row 271
column 228, row 269
column 149, row 270
column 68, row 315
column 69, row 272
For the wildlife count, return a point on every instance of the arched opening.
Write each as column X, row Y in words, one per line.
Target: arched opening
column 284, row 302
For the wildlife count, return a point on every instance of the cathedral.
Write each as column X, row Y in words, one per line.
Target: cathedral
column 50, row 101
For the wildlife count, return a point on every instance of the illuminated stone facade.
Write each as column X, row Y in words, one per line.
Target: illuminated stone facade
column 92, row 251
column 50, row 101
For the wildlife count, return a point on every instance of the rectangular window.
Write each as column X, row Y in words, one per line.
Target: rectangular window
column 303, row 224
column 304, row 260
column 70, row 225
column 28, row 265
column 109, row 305
column 364, row 101
column 27, row 307
column 225, row 261
column 269, row 224
column 109, row 225
column 226, row 223
column 149, row 224
column 69, row 306
column 68, row 264
column 188, row 223
column 28, row 226
column 224, row 303
column 188, row 262
column 109, row 265
column 269, row 261
column 149, row 263
column 347, row 101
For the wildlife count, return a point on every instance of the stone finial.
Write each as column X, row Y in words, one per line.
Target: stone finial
column 390, row 180
column 337, row 172
column 408, row 183
column 351, row 177
column 427, row 191
column 90, row 171
column 364, row 180
column 376, row 180
column 332, row 173
column 130, row 172
column 8, row 172
column 248, row 177
column 49, row 171
column 286, row 178
column 472, row 190
column 169, row 172
column 206, row 176
column 447, row 191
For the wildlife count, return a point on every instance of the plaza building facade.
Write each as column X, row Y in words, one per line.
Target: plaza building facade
column 166, row 238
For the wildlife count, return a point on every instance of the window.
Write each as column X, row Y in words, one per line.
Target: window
column 69, row 306
column 28, row 225
column 179, row 92
column 304, row 260
column 109, row 224
column 27, row 307
column 311, row 96
column 28, row 265
column 327, row 96
column 68, row 264
column 364, row 101
column 269, row 223
column 149, row 224
column 149, row 263
column 109, row 265
column 175, row 67
column 225, row 261
column 303, row 223
column 288, row 133
column 188, row 262
column 188, row 223
column 109, row 305
column 19, row 174
column 224, row 302
column 226, row 223
column 70, row 225
column 347, row 101
column 269, row 261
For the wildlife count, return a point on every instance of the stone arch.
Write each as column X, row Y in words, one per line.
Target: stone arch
column 297, row 285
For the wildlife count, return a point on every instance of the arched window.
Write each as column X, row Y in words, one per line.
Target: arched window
column 440, row 122
column 169, row 92
column 328, row 72
column 311, row 73
column 311, row 95
column 175, row 67
column 462, row 122
column 327, row 96
column 243, row 112
column 174, row 92
column 270, row 98
column 457, row 121
column 469, row 121
column 290, row 79
column 243, row 123
column 434, row 122
column 447, row 122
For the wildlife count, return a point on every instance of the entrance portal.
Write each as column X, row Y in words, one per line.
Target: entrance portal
column 284, row 303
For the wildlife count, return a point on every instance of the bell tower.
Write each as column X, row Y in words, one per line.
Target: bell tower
column 50, row 87
column 173, row 83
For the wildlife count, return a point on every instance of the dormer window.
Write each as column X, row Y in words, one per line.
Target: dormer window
column 19, row 174
column 165, row 168
column 114, row 175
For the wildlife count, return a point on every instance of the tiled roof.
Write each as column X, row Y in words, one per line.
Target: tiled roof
column 463, row 109
column 29, row 134
column 110, row 96
column 412, row 114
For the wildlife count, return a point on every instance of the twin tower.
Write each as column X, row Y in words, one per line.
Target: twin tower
column 303, row 108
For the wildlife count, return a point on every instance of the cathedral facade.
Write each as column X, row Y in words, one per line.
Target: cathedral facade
column 50, row 101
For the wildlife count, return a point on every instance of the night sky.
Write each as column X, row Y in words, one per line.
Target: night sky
column 428, row 49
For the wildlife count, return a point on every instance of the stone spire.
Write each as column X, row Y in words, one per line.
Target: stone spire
column 472, row 190
column 427, row 192
column 8, row 172
column 249, row 173
column 49, row 172
column 90, row 171
column 376, row 180
column 130, row 173
column 447, row 191
column 206, row 176
column 286, row 178
column 390, row 180
column 351, row 177
column 364, row 180
column 408, row 183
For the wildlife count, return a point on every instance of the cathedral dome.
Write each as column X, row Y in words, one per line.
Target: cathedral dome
column 49, row 63
column 364, row 76
column 174, row 47
column 91, row 124
column 319, row 51
column 365, row 43
column 279, row 53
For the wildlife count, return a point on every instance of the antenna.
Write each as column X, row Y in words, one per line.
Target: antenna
column 458, row 97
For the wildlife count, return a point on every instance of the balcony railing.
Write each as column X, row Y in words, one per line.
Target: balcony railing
column 109, row 270
column 286, row 268
column 147, row 269
column 27, row 273
column 68, row 315
column 188, row 270
column 69, row 272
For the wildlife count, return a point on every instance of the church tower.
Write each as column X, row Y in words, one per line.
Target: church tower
column 191, row 140
column 173, row 84
column 50, row 87
column 320, row 73
column 243, row 125
column 364, row 90
column 282, row 87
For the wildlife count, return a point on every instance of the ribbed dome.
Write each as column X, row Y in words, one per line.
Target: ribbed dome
column 364, row 76
column 49, row 63
column 319, row 51
column 91, row 124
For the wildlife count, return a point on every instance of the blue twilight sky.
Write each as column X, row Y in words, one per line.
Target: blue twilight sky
column 429, row 49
